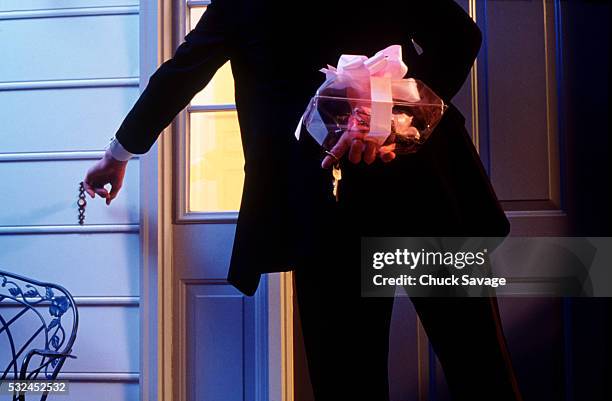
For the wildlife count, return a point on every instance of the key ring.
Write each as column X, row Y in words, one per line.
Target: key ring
column 332, row 155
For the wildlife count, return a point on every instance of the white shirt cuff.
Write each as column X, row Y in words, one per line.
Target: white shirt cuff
column 117, row 150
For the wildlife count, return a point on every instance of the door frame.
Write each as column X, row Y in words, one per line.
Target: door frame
column 157, row 189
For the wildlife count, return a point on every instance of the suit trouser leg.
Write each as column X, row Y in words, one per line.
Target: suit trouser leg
column 467, row 337
column 346, row 337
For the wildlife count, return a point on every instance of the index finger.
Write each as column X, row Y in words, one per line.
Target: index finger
column 88, row 189
column 343, row 145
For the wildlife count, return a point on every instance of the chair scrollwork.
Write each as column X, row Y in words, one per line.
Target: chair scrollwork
column 38, row 326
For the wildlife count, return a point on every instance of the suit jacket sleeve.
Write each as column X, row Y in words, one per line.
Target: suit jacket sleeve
column 450, row 41
column 205, row 49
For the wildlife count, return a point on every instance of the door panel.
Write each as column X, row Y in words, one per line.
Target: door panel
column 215, row 320
column 522, row 101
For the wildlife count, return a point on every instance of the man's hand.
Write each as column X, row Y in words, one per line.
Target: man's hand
column 106, row 171
column 353, row 140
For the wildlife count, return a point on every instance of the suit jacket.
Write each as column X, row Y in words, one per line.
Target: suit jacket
column 276, row 49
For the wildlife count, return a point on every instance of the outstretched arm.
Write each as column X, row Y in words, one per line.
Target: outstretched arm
column 450, row 40
column 205, row 49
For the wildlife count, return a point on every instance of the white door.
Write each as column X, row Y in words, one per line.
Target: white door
column 220, row 336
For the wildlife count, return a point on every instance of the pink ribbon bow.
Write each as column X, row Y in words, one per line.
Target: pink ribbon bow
column 378, row 78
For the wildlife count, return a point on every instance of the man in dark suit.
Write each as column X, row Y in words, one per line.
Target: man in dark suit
column 289, row 219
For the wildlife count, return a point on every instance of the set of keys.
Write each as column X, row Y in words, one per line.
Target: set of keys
column 336, row 175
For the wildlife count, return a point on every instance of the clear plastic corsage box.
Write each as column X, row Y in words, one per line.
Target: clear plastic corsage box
column 370, row 99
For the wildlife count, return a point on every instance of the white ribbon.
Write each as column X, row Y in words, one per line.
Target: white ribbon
column 373, row 78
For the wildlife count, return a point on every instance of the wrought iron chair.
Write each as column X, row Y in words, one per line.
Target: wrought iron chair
column 38, row 326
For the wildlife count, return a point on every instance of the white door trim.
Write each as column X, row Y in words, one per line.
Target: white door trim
column 155, row 220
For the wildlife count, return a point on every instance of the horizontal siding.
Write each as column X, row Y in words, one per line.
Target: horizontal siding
column 74, row 48
column 107, row 338
column 21, row 5
column 93, row 391
column 100, row 265
column 62, row 119
column 46, row 192
column 70, row 76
